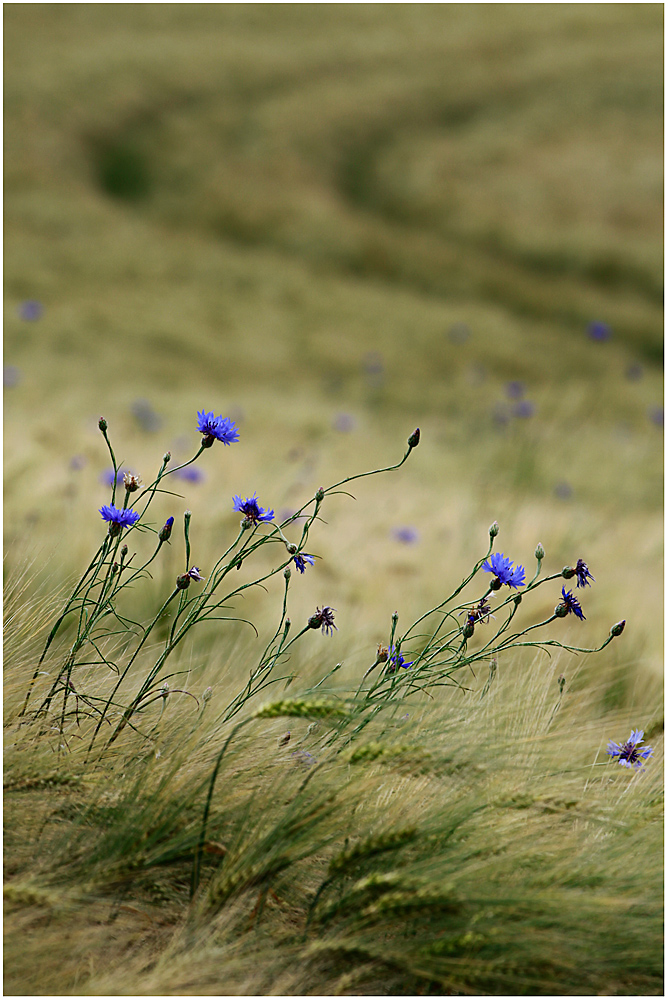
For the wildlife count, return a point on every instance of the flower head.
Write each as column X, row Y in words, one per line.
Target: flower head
column 31, row 310
column 301, row 560
column 583, row 574
column 323, row 619
column 629, row 753
column 190, row 474
column 216, row 428
column 502, row 568
column 599, row 331
column 569, row 606
column 395, row 660
column 118, row 519
column 481, row 612
column 407, row 535
column 131, row 482
column 251, row 510
column 195, row 574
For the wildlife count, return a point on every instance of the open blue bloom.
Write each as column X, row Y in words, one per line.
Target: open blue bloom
column 217, row 428
column 119, row 518
column 502, row 568
column 252, row 510
column 395, row 660
column 629, row 753
column 583, row 574
column 301, row 559
column 571, row 603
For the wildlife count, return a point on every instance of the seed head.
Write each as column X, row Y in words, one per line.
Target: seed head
column 131, row 482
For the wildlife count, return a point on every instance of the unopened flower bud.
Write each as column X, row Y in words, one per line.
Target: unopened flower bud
column 517, row 599
column 568, row 572
column 124, row 551
column 618, row 628
column 166, row 530
column 291, row 547
column 287, row 572
column 495, row 583
column 164, row 690
column 167, row 457
column 187, row 514
column 286, row 627
column 102, row 424
column 414, row 439
column 114, row 569
column 395, row 617
column 183, row 582
column 320, row 494
column 561, row 610
column 494, row 529
column 540, row 552
column 206, row 694
column 468, row 630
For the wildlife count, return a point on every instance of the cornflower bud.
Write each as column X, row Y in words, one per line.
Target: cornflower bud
column 540, row 552
column 291, row 547
column 395, row 617
column 618, row 628
column 164, row 690
column 468, row 629
column 167, row 457
column 114, row 569
column 568, row 572
column 206, row 694
column 517, row 599
column 183, row 582
column 102, row 424
column 320, row 494
column 166, row 530
column 287, row 572
column 414, row 439
column 124, row 551
column 561, row 611
column 494, row 529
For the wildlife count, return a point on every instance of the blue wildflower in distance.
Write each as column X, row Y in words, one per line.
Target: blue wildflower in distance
column 395, row 660
column 583, row 574
column 107, row 477
column 599, row 331
column 31, row 310
column 407, row 535
column 502, row 568
column 629, row 753
column 251, row 510
column 190, row 474
column 572, row 605
column 302, row 559
column 216, row 428
column 524, row 409
column 514, row 389
column 118, row 518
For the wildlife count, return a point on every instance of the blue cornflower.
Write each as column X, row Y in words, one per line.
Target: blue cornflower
column 599, row 331
column 107, row 477
column 395, row 660
column 301, row 559
column 524, row 409
column 570, row 605
column 251, row 510
column 216, row 429
column 409, row 536
column 502, row 568
column 31, row 310
column 323, row 618
column 583, row 574
column 629, row 753
column 118, row 519
column 190, row 474
column 515, row 389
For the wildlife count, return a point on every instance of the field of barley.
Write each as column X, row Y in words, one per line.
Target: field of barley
column 332, row 224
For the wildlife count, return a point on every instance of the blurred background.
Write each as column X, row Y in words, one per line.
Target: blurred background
column 334, row 223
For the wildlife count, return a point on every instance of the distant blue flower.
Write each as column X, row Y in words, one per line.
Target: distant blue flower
column 190, row 474
column 524, row 409
column 146, row 416
column 217, row 428
column 563, row 490
column 634, row 372
column 252, row 510
column 500, row 415
column 301, row 559
column 655, row 414
column 107, row 477
column 395, row 660
column 459, row 333
column 502, row 568
column 118, row 518
column 304, row 757
column 344, row 423
column 77, row 462
column 514, row 389
column 408, row 536
column 599, row 331
column 629, row 753
column 11, row 376
column 31, row 310
column 571, row 603
column 583, row 574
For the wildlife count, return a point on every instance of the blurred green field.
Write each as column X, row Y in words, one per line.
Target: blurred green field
column 336, row 223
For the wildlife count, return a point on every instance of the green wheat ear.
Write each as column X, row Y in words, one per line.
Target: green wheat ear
column 318, row 709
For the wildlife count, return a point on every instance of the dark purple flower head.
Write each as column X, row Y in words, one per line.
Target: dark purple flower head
column 514, row 389
column 502, row 568
column 195, row 574
column 481, row 612
column 118, row 519
column 216, row 428
column 301, row 560
column 569, row 606
column 31, row 310
column 629, row 754
column 251, row 510
column 599, row 331
column 323, row 619
column 408, row 536
column 583, row 574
